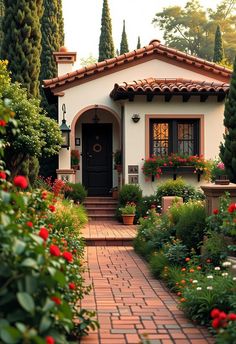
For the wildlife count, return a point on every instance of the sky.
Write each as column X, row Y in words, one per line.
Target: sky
column 83, row 22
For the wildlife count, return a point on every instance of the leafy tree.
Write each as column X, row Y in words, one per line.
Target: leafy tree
column 60, row 21
column 228, row 148
column 36, row 135
column 192, row 28
column 218, row 49
column 2, row 12
column 86, row 61
column 124, row 48
column 139, row 43
column 22, row 42
column 106, row 45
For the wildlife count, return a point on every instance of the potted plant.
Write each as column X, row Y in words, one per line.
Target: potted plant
column 218, row 173
column 118, row 161
column 128, row 213
column 75, row 159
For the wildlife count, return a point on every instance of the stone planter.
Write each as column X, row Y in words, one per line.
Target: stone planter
column 222, row 180
column 128, row 219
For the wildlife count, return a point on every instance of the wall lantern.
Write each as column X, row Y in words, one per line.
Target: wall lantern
column 96, row 119
column 65, row 130
column 136, row 118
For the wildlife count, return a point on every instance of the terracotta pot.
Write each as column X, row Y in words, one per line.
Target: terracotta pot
column 128, row 219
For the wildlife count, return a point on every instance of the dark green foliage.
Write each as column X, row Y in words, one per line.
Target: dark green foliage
column 139, row 43
column 124, row 48
column 30, row 168
column 214, row 248
column 157, row 263
column 76, row 192
column 60, row 21
column 228, row 148
column 176, row 252
column 218, row 48
column 2, row 12
column 130, row 193
column 146, row 203
column 106, row 45
column 142, row 247
column 22, row 42
column 190, row 227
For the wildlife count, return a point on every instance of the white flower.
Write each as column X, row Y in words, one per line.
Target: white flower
column 226, row 264
column 209, row 287
column 199, row 288
column 209, row 276
column 195, row 281
column 217, row 268
column 224, row 274
column 234, row 278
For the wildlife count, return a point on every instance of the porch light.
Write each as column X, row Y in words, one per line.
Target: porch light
column 65, row 130
column 96, row 119
column 135, row 118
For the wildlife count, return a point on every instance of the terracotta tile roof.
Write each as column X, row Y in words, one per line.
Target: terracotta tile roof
column 167, row 86
column 152, row 50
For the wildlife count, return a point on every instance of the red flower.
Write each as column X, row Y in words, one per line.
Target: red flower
column 72, row 286
column 232, row 316
column 187, row 259
column 222, row 316
column 216, row 323
column 20, row 181
column 3, row 175
column 2, row 123
column 29, row 224
column 43, row 233
column 232, row 207
column 44, row 195
column 215, row 211
column 68, row 256
column 52, row 208
column 215, row 313
column 208, row 260
column 49, row 340
column 55, row 251
column 56, row 299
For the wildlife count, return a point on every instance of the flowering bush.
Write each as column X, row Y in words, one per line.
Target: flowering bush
column 128, row 209
column 153, row 166
column 217, row 169
column 75, row 157
column 225, row 325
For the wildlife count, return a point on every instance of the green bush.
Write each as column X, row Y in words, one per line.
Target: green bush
column 142, row 247
column 190, row 227
column 157, row 263
column 176, row 252
column 214, row 248
column 76, row 192
column 178, row 188
column 146, row 203
column 129, row 193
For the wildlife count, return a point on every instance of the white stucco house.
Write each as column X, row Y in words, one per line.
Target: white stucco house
column 178, row 99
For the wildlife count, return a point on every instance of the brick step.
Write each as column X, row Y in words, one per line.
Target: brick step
column 102, row 217
column 102, row 204
column 101, row 210
column 109, row 242
column 99, row 199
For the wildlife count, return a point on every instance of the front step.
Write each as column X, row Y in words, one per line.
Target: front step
column 101, row 208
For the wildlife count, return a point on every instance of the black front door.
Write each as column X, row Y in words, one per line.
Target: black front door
column 97, row 158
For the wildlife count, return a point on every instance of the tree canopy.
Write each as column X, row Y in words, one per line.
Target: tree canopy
column 192, row 28
column 124, row 48
column 218, row 48
column 106, row 45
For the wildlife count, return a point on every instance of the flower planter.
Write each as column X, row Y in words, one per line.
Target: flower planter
column 75, row 167
column 222, row 180
column 128, row 219
column 179, row 170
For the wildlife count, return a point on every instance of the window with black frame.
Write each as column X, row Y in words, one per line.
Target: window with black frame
column 169, row 136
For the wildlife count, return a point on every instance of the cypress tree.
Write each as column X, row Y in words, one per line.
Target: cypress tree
column 106, row 45
column 218, row 48
column 228, row 148
column 22, row 42
column 124, row 48
column 60, row 21
column 2, row 12
column 139, row 43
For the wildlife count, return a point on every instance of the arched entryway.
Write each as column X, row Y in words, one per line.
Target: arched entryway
column 96, row 132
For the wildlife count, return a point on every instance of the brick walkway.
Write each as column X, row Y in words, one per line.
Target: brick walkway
column 130, row 303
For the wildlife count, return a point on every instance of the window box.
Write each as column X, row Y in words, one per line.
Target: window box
column 179, row 170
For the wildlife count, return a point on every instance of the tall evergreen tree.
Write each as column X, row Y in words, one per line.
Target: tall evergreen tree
column 139, row 43
column 2, row 12
column 60, row 21
column 22, row 41
column 124, row 48
column 218, row 48
column 228, row 148
column 106, row 45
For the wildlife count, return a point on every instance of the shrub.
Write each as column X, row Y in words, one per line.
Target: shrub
column 76, row 192
column 130, row 193
column 146, row 203
column 176, row 252
column 214, row 248
column 142, row 247
column 158, row 262
column 178, row 188
column 191, row 225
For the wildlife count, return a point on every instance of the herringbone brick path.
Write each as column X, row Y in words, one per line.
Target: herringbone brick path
column 130, row 303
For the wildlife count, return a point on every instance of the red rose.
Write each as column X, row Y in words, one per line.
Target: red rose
column 44, row 195
column 222, row 316
column 72, row 286
column 216, row 323
column 52, row 208
column 2, row 123
column 232, row 316
column 43, row 233
column 215, row 211
column 49, row 340
column 232, row 207
column 3, row 175
column 29, row 224
column 55, row 251
column 68, row 256
column 56, row 299
column 20, row 181
column 215, row 313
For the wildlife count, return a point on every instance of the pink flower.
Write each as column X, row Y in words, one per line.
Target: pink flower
column 20, row 181
column 221, row 166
